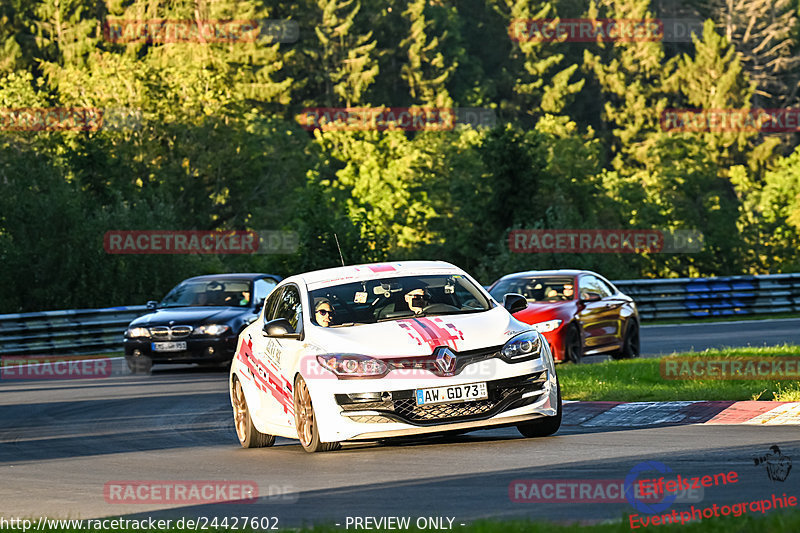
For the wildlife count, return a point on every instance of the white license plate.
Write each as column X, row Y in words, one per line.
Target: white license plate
column 454, row 393
column 169, row 346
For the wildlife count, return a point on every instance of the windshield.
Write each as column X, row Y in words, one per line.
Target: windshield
column 197, row 293
column 536, row 289
column 373, row 301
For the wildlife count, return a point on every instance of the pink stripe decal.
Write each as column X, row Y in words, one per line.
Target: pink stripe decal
column 426, row 331
column 265, row 379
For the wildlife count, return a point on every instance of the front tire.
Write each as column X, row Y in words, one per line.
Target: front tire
column 573, row 346
column 630, row 342
column 544, row 427
column 140, row 364
column 249, row 436
column 305, row 420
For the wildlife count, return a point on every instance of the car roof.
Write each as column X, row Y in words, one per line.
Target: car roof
column 234, row 275
column 366, row 272
column 561, row 272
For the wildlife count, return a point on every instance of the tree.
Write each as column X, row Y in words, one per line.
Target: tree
column 538, row 86
column 763, row 32
column 427, row 69
column 340, row 62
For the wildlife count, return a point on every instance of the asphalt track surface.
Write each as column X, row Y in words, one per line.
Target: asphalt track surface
column 62, row 441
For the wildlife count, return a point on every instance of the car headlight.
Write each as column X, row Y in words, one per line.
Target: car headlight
column 351, row 366
column 133, row 333
column 211, row 329
column 550, row 325
column 523, row 347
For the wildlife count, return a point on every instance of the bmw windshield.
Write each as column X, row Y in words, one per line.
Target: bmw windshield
column 229, row 293
column 367, row 302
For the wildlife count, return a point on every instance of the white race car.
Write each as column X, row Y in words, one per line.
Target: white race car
column 385, row 350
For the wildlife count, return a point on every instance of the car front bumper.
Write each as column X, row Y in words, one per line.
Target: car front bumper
column 198, row 350
column 517, row 393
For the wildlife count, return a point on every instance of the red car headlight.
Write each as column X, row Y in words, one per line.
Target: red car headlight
column 550, row 325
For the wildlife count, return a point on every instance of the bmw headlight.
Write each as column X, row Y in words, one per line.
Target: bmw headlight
column 211, row 329
column 133, row 333
column 544, row 327
column 523, row 347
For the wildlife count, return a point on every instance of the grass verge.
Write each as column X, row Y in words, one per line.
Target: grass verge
column 640, row 380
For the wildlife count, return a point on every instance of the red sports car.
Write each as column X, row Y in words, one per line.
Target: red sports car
column 579, row 312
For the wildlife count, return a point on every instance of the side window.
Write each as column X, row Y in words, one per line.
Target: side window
column 607, row 286
column 269, row 305
column 289, row 307
column 591, row 283
column 262, row 288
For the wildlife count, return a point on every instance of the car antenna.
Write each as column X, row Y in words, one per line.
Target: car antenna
column 339, row 247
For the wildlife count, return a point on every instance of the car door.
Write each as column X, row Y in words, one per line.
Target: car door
column 599, row 319
column 276, row 354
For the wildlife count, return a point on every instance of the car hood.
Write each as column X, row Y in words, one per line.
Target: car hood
column 190, row 315
column 542, row 311
column 420, row 336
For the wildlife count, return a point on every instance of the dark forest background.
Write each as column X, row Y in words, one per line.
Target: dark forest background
column 213, row 142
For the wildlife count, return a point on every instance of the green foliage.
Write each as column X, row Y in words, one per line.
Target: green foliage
column 211, row 143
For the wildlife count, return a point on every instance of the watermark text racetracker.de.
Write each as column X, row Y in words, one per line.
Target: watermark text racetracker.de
column 194, row 492
column 54, row 119
column 588, row 30
column 198, row 523
column 200, row 242
column 604, row 241
column 784, row 120
column 739, row 368
column 394, row 118
column 54, row 367
column 162, row 31
column 588, row 491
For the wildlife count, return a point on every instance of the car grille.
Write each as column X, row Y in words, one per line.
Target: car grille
column 504, row 394
column 167, row 333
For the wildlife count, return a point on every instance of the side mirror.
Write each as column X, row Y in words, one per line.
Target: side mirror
column 514, row 302
column 280, row 327
column 151, row 305
column 591, row 297
column 260, row 303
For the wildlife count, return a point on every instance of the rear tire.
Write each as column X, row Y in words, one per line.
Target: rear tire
column 306, row 422
column 573, row 346
column 630, row 342
column 249, row 436
column 543, row 427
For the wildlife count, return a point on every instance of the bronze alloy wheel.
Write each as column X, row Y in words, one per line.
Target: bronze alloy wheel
column 240, row 413
column 304, row 414
column 305, row 420
column 249, row 436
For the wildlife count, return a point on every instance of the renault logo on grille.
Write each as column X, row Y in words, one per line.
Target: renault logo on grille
column 446, row 360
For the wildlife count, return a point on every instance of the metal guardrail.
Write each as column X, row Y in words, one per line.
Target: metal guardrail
column 689, row 298
column 90, row 331
column 78, row 331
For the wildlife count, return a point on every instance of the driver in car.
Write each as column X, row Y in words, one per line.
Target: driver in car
column 418, row 299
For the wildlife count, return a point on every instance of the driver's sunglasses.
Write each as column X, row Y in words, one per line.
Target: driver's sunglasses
column 325, row 312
